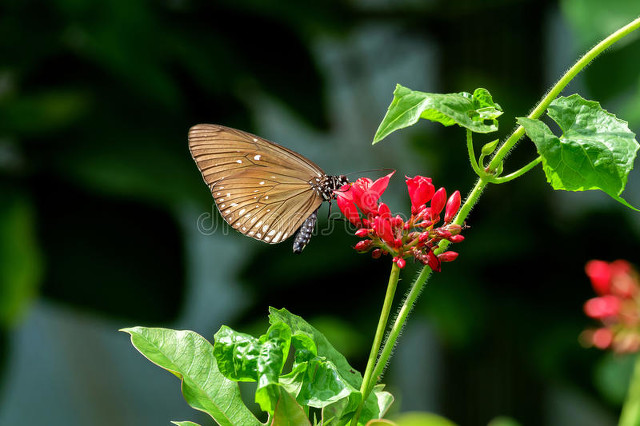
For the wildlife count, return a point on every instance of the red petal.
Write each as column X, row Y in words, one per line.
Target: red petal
column 349, row 210
column 420, row 191
column 380, row 185
column 383, row 229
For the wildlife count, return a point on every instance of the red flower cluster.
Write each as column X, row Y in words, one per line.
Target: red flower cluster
column 387, row 234
column 617, row 306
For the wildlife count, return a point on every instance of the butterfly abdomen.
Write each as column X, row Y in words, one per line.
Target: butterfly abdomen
column 303, row 236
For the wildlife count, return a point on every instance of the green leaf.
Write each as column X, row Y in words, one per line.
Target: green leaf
column 503, row 421
column 242, row 357
column 288, row 412
column 422, row 419
column 324, row 348
column 185, row 423
column 20, row 258
column 464, row 109
column 323, row 378
column 189, row 356
column 595, row 151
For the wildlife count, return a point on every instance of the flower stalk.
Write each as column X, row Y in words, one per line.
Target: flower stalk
column 368, row 380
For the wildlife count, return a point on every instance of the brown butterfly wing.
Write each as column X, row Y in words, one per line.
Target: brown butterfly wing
column 261, row 189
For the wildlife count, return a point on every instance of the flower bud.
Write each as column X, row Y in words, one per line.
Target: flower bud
column 423, row 237
column 453, row 205
column 363, row 232
column 376, row 253
column 401, row 263
column 599, row 273
column 438, row 201
column 443, row 233
column 456, row 238
column 433, row 261
column 602, row 307
column 363, row 245
column 448, row 256
column 602, row 338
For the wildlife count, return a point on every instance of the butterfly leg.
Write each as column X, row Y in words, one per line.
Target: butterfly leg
column 304, row 233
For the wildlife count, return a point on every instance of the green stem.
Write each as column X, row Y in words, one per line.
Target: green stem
column 630, row 415
column 472, row 155
column 517, row 173
column 560, row 85
column 367, row 381
column 472, row 199
column 418, row 284
column 503, row 151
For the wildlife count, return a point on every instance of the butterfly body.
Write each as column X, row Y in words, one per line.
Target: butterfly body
column 261, row 189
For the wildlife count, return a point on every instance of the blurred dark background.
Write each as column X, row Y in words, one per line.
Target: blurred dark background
column 105, row 222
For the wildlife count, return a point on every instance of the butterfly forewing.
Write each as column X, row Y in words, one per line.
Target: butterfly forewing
column 262, row 189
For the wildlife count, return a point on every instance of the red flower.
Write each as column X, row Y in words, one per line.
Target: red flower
column 617, row 307
column 384, row 233
column 420, row 191
column 367, row 193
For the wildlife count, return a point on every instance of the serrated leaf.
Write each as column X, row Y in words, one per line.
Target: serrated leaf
column 464, row 109
column 595, row 151
column 189, row 356
column 242, row 357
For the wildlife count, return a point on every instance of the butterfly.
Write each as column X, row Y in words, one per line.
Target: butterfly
column 261, row 189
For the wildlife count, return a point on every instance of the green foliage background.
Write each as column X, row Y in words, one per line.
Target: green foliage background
column 100, row 201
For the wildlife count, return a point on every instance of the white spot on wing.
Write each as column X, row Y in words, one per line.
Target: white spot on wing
column 266, row 198
column 257, row 157
column 264, row 228
column 277, row 238
column 239, row 161
column 222, row 206
column 272, row 232
column 241, row 211
column 255, row 140
column 261, row 183
column 267, row 238
column 259, row 235
column 234, row 204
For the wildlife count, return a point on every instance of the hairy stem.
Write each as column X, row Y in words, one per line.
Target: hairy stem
column 561, row 84
column 472, row 199
column 367, row 380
